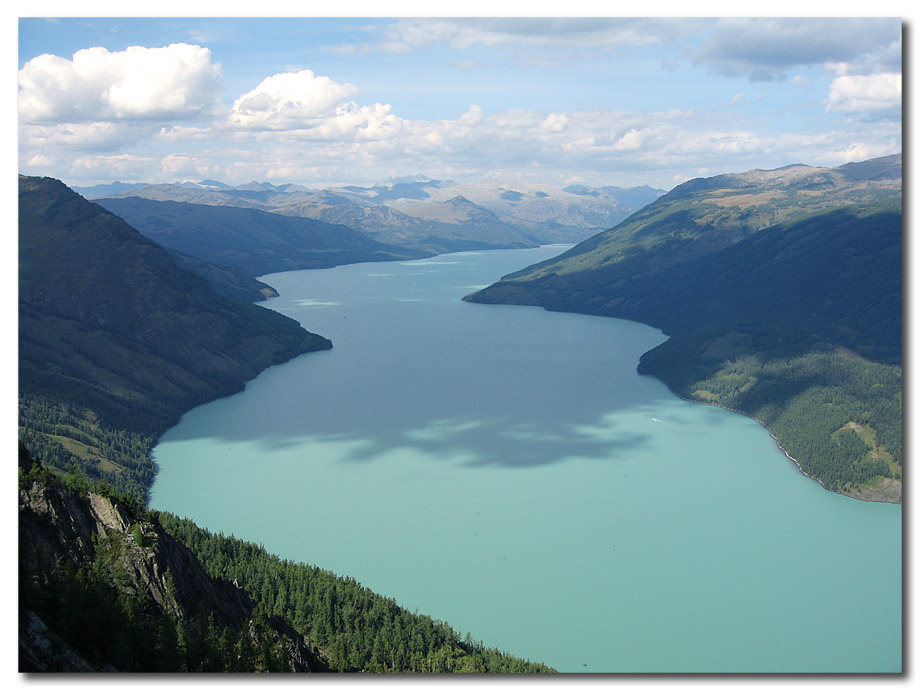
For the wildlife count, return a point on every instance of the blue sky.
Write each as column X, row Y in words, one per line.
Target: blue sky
column 321, row 101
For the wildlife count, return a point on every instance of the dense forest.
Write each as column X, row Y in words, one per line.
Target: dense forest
column 362, row 631
column 836, row 413
column 149, row 592
column 72, row 442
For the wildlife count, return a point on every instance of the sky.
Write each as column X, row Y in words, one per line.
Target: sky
column 323, row 101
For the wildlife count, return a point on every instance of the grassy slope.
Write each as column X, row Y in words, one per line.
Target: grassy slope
column 763, row 281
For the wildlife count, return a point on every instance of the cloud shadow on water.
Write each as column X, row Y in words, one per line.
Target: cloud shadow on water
column 462, row 439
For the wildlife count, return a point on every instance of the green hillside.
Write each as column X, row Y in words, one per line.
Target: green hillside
column 781, row 291
column 117, row 340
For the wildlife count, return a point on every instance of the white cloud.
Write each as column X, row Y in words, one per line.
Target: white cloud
column 290, row 100
column 472, row 117
column 631, row 141
column 554, row 122
column 353, row 122
column 82, row 136
column 300, row 127
column 39, row 161
column 865, row 93
column 177, row 82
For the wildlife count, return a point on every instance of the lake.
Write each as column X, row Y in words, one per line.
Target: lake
column 507, row 470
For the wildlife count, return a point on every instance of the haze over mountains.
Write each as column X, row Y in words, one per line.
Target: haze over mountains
column 255, row 241
column 429, row 216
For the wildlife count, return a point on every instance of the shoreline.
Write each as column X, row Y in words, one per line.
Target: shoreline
column 775, row 440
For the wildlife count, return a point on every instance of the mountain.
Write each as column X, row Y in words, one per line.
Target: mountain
column 541, row 211
column 579, row 211
column 630, row 197
column 698, row 218
column 235, row 283
column 105, row 189
column 109, row 586
column 104, row 587
column 386, row 224
column 258, row 242
column 781, row 291
column 417, row 213
column 116, row 336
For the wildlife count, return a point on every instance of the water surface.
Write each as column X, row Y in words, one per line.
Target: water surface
column 507, row 470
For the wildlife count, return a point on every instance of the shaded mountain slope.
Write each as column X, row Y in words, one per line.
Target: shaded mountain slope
column 255, row 241
column 111, row 327
column 706, row 215
column 836, row 271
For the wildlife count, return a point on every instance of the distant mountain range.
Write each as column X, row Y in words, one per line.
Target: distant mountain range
column 761, row 267
column 428, row 216
column 255, row 241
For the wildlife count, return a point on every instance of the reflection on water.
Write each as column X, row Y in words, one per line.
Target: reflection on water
column 507, row 470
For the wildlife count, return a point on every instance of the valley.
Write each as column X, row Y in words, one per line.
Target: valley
column 774, row 319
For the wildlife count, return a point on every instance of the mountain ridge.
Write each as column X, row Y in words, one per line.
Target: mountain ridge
column 405, row 213
column 128, row 342
column 778, row 272
column 253, row 240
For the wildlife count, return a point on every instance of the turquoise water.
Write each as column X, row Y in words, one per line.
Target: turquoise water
column 507, row 470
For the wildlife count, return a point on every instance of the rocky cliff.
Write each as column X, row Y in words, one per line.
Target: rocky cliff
column 105, row 588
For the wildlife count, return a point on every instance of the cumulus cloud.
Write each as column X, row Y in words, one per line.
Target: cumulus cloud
column 554, row 122
column 472, row 117
column 162, row 106
column 289, row 100
column 359, row 123
column 865, row 93
column 177, row 82
column 631, row 141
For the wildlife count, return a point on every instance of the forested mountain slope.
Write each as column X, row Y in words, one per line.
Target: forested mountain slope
column 106, row 585
column 117, row 340
column 781, row 291
column 694, row 219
